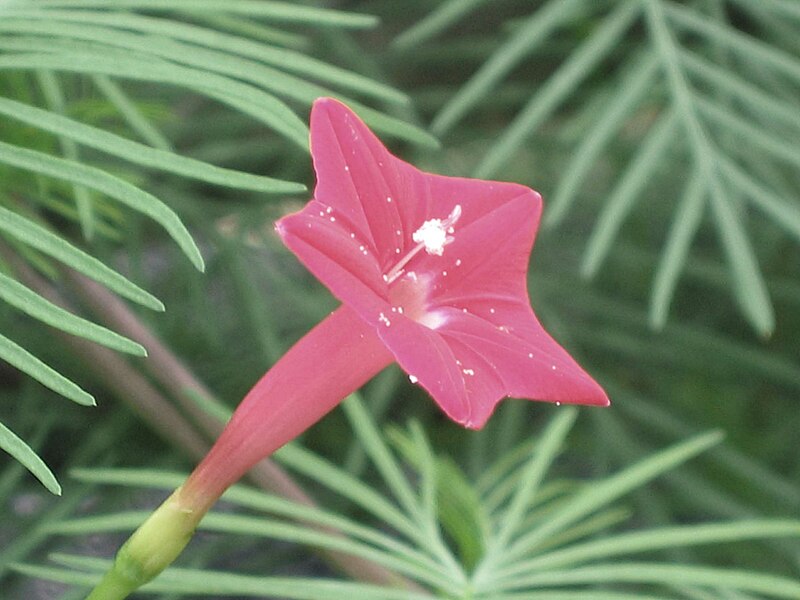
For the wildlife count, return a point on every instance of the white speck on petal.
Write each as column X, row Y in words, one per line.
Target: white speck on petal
column 469, row 372
column 383, row 319
column 386, row 278
column 353, row 235
column 346, row 168
column 530, row 354
column 412, row 379
column 329, row 210
column 553, row 367
column 458, row 262
column 444, row 273
column 333, row 219
column 558, row 403
column 388, row 199
column 491, row 310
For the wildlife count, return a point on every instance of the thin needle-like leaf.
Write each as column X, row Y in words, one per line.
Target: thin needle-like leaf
column 55, row 98
column 287, row 60
column 657, row 539
column 129, row 111
column 531, row 33
column 532, row 475
column 631, row 91
column 285, row 12
column 141, row 154
column 26, row 362
column 591, row 499
column 45, row 241
column 442, row 17
column 749, row 286
column 219, row 583
column 755, row 99
column 119, row 189
column 627, row 193
column 785, row 214
column 665, row 574
column 376, row 449
column 251, row 100
column 349, row 487
column 747, row 46
column 579, row 65
column 679, row 240
column 28, row 458
column 768, row 141
column 39, row 308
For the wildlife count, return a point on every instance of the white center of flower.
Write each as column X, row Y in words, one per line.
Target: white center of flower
column 433, row 236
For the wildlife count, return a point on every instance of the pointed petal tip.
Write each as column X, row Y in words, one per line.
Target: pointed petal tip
column 328, row 105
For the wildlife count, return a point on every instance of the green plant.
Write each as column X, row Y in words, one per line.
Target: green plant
column 663, row 136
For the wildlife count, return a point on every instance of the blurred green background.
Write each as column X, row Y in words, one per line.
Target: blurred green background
column 664, row 137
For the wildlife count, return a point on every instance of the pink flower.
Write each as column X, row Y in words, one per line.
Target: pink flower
column 437, row 266
column 431, row 272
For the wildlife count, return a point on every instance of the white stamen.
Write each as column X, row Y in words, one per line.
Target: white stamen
column 432, row 236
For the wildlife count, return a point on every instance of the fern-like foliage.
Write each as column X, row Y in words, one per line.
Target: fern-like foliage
column 76, row 145
column 714, row 86
column 528, row 536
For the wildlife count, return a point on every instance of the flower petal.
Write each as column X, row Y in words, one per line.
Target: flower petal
column 426, row 357
column 341, row 261
column 361, row 180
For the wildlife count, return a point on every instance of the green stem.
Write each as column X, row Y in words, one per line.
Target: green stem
column 151, row 549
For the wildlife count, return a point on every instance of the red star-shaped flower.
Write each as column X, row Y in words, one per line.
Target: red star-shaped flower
column 437, row 265
column 431, row 271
